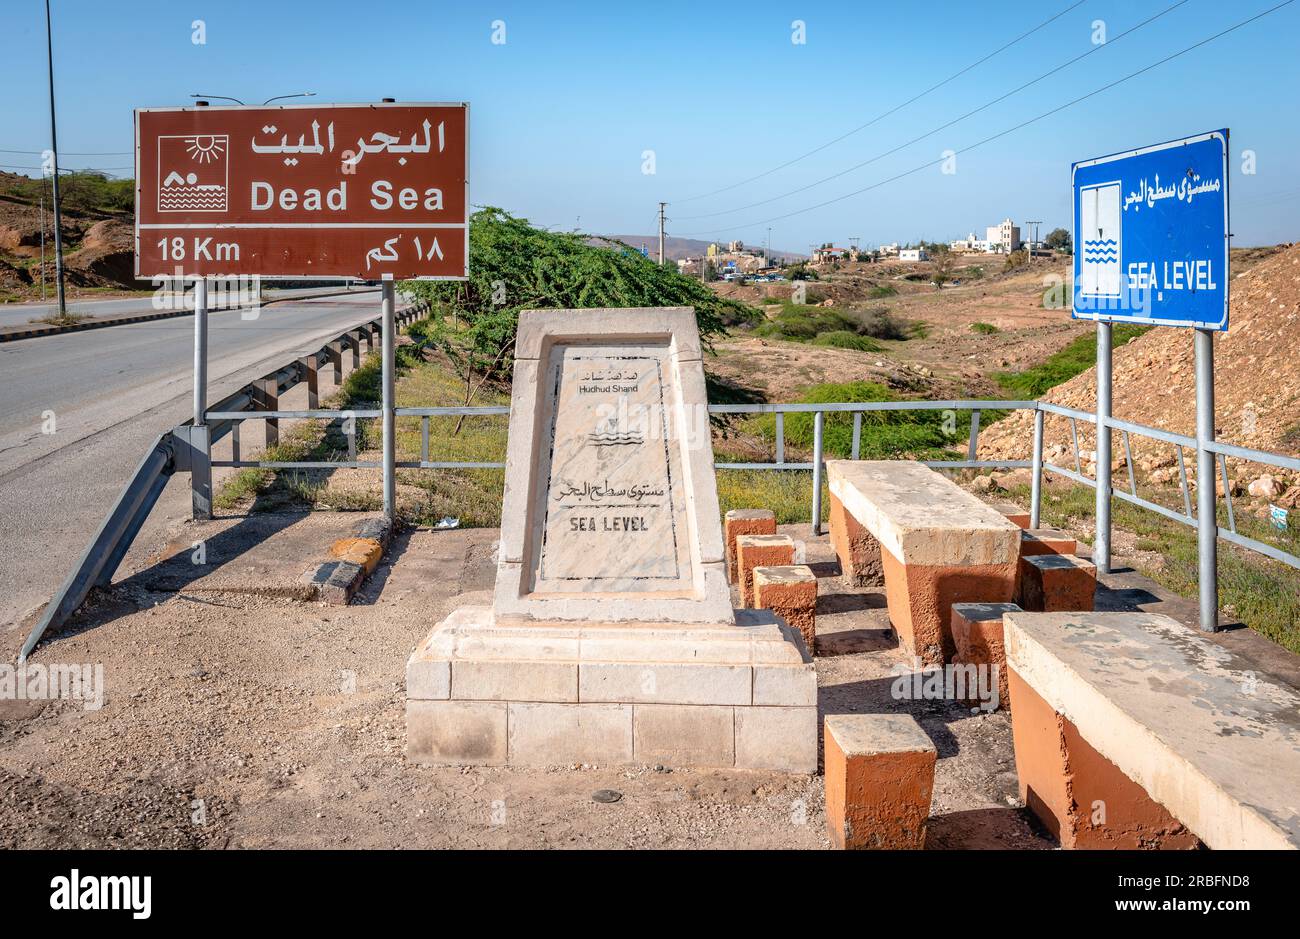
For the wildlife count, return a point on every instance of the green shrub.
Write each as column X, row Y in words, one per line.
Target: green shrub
column 884, row 433
column 845, row 339
column 881, row 291
column 1077, row 357
column 984, row 329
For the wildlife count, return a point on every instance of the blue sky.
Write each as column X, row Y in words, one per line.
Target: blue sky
column 563, row 111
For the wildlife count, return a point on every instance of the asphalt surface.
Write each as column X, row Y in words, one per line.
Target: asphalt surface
column 21, row 314
column 109, row 393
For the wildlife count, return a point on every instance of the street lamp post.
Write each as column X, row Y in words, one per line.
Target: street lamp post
column 54, row 179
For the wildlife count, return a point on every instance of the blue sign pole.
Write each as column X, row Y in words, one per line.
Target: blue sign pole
column 1151, row 240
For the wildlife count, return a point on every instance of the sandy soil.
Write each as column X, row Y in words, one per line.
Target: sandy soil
column 234, row 720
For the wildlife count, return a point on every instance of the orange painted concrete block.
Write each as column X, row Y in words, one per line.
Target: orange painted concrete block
column 791, row 593
column 745, row 522
column 1081, row 797
column 760, row 551
column 978, row 640
column 857, row 549
column 920, row 599
column 1057, row 583
column 1046, row 541
column 879, row 780
column 1014, row 513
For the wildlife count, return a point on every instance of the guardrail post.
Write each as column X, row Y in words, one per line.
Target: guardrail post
column 199, row 441
column 355, row 342
column 310, row 372
column 335, row 352
column 266, row 397
column 1207, row 522
column 1101, row 544
column 1036, row 486
column 818, row 420
column 388, row 305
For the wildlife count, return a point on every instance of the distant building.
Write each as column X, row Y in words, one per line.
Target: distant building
column 970, row 244
column 913, row 254
column 831, row 253
column 889, row 250
column 735, row 247
column 1003, row 238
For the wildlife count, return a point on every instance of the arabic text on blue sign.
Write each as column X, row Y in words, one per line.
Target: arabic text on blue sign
column 1151, row 234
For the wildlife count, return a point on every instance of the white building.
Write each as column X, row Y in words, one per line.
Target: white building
column 1003, row 238
column 970, row 243
column 887, row 250
column 913, row 254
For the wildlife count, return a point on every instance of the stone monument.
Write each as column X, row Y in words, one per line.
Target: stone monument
column 611, row 638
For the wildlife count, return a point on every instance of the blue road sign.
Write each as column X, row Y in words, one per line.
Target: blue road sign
column 1151, row 234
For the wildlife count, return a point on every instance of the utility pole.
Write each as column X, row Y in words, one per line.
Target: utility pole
column 42, row 239
column 1033, row 238
column 661, row 233
column 54, row 179
column 767, row 252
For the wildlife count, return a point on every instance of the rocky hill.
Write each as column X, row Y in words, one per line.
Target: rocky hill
column 1257, row 372
column 97, row 229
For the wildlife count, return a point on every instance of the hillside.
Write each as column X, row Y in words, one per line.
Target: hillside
column 97, row 229
column 1257, row 365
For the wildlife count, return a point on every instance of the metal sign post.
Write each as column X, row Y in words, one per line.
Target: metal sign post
column 200, row 451
column 388, row 343
column 1151, row 246
column 1207, row 522
column 1101, row 542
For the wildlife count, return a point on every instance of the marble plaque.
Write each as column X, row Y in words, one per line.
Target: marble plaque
column 610, row 493
column 610, row 509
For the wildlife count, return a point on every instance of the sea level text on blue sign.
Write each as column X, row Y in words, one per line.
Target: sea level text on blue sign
column 1151, row 234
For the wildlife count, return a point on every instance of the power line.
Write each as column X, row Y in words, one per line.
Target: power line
column 1009, row 130
column 893, row 110
column 72, row 153
column 956, row 120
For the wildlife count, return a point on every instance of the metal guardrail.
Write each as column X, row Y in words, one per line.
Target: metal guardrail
column 1036, row 461
column 188, row 448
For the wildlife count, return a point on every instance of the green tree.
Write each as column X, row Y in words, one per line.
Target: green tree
column 1059, row 239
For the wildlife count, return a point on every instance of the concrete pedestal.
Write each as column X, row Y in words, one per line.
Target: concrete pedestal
column 481, row 691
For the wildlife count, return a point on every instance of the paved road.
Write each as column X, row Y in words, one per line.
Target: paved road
column 110, row 392
column 20, row 314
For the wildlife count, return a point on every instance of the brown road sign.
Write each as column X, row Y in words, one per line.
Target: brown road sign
column 370, row 191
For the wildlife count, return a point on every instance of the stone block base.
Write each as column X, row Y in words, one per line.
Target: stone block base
column 1082, row 798
column 879, row 780
column 977, row 638
column 920, row 599
column 857, row 549
column 1056, row 583
column 743, row 696
column 790, row 593
column 1046, row 541
column 745, row 522
column 1014, row 514
column 760, row 551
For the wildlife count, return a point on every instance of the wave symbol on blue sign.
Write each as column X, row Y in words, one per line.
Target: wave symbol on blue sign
column 1101, row 251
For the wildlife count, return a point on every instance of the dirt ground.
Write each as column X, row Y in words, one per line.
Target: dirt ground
column 950, row 360
column 235, row 717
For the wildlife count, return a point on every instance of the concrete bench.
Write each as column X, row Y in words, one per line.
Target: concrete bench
column 759, row 551
column 879, row 780
column 1046, row 541
column 1013, row 513
column 791, row 593
column 1054, row 583
column 739, row 522
column 1132, row 730
column 977, row 636
column 939, row 545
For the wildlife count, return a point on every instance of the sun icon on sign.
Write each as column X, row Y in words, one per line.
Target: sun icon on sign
column 205, row 149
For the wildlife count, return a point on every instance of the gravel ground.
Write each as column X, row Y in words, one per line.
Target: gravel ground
column 241, row 721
